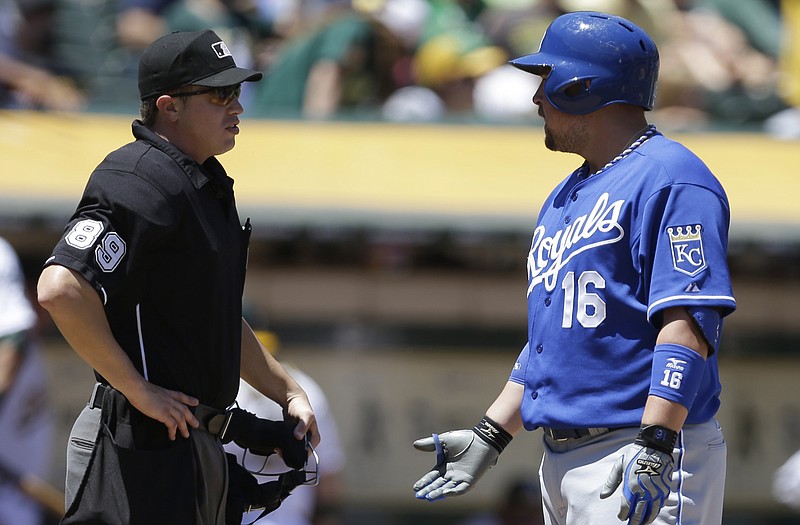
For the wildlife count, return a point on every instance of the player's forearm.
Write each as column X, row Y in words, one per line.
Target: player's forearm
column 78, row 312
column 665, row 413
column 505, row 410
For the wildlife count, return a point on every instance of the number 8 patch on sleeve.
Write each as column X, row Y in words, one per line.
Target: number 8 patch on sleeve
column 108, row 253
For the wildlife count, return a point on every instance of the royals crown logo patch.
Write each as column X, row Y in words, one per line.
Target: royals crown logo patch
column 686, row 243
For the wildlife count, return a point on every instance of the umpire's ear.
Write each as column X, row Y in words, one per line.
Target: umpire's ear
column 166, row 106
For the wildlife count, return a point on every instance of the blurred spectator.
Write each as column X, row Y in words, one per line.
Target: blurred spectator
column 238, row 22
column 246, row 26
column 307, row 504
column 518, row 25
column 505, row 94
column 786, row 124
column 459, row 64
column 759, row 20
column 26, row 425
column 448, row 16
column 790, row 52
column 416, row 59
column 644, row 13
column 23, row 86
column 241, row 23
column 26, row 78
column 414, row 104
column 444, row 70
column 710, row 69
column 450, row 63
column 86, row 48
column 344, row 66
column 521, row 505
column 139, row 22
column 405, row 18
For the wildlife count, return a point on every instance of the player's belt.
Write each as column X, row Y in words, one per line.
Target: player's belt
column 563, row 434
column 211, row 420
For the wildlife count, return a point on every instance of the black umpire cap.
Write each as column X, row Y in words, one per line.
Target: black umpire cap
column 196, row 58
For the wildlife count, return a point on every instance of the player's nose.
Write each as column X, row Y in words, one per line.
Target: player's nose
column 537, row 96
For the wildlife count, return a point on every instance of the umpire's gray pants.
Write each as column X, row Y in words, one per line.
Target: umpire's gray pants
column 210, row 460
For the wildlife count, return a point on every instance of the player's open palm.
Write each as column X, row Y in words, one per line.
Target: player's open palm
column 646, row 477
column 461, row 459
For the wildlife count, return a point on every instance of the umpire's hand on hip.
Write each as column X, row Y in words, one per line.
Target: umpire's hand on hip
column 167, row 406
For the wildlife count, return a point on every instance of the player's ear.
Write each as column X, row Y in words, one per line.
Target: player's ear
column 166, row 104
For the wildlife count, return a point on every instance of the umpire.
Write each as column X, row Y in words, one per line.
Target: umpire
column 146, row 286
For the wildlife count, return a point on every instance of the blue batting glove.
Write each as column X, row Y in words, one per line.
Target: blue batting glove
column 646, row 477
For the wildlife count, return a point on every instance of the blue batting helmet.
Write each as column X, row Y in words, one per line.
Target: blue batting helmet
column 593, row 60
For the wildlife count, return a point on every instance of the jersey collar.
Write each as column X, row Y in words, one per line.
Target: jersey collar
column 197, row 174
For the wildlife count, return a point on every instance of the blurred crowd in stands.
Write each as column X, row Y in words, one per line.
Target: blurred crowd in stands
column 735, row 62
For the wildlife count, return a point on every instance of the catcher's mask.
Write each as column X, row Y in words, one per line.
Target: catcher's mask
column 270, row 494
column 593, row 59
column 259, row 438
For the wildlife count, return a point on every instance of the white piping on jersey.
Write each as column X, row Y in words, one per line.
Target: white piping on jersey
column 141, row 342
column 681, row 458
column 690, row 297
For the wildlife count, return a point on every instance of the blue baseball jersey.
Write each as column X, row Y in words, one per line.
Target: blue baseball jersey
column 609, row 253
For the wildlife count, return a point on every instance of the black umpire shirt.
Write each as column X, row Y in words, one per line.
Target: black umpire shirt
column 159, row 237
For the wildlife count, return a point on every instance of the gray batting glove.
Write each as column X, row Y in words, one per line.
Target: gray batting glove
column 646, row 477
column 462, row 458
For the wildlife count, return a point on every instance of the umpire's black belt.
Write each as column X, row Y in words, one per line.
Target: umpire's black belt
column 563, row 434
column 212, row 420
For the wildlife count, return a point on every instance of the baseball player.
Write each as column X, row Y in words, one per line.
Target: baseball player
column 627, row 288
column 26, row 419
column 146, row 286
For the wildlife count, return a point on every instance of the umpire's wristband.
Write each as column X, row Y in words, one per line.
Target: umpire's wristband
column 657, row 437
column 492, row 433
